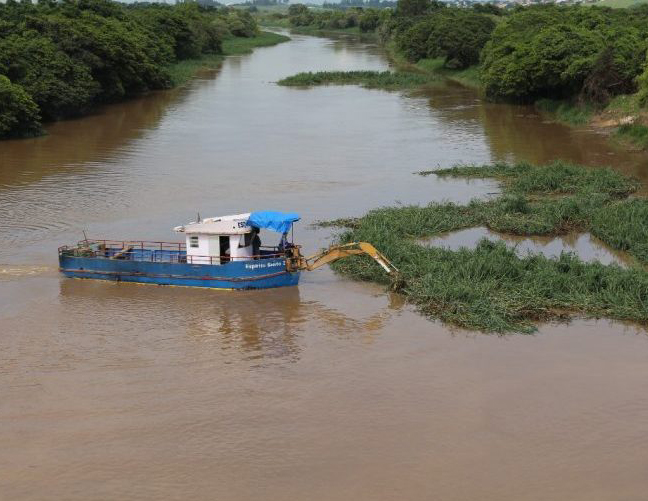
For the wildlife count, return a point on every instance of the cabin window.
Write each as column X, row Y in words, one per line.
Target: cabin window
column 193, row 242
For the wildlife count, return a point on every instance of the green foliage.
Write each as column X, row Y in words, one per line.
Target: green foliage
column 642, row 82
column 414, row 8
column 635, row 134
column 300, row 15
column 492, row 289
column 69, row 56
column 18, row 112
column 369, row 79
column 488, row 8
column 328, row 19
column 369, row 20
column 54, row 81
column 184, row 70
column 562, row 52
column 457, row 35
column 244, row 45
column 565, row 111
column 623, row 226
column 557, row 178
column 365, row 19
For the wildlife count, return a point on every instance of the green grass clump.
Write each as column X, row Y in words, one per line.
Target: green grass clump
column 633, row 133
column 557, row 178
column 240, row 45
column 566, row 112
column 624, row 226
column 468, row 76
column 627, row 104
column 183, row 71
column 369, row 79
column 490, row 288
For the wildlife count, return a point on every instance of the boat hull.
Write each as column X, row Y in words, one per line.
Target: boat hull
column 253, row 274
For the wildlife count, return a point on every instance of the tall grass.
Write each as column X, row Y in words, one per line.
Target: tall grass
column 557, row 178
column 633, row 133
column 467, row 76
column 368, row 79
column 567, row 112
column 490, row 288
column 624, row 225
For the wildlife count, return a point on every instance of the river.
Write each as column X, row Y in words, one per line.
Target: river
column 335, row 390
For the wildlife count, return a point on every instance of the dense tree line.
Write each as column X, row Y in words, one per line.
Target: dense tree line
column 455, row 34
column 564, row 52
column 59, row 59
column 559, row 52
column 419, row 28
column 365, row 19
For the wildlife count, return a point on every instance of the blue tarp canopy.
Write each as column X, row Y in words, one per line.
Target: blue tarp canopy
column 273, row 220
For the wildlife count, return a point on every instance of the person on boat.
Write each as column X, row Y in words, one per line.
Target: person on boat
column 256, row 244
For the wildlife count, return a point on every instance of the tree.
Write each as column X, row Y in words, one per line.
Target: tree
column 66, row 57
column 457, row 35
column 19, row 115
column 369, row 20
column 59, row 85
column 411, row 8
column 565, row 52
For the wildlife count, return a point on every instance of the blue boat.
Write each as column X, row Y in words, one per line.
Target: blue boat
column 219, row 252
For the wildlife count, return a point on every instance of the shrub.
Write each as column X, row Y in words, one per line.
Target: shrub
column 561, row 52
column 18, row 112
column 457, row 35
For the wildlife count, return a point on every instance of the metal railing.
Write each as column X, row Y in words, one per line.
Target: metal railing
column 152, row 251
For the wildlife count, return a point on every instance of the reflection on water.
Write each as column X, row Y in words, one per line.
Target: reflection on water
column 584, row 245
column 331, row 391
column 79, row 145
column 264, row 324
column 520, row 133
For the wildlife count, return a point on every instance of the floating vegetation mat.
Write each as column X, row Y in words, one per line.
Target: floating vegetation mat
column 369, row 79
column 490, row 287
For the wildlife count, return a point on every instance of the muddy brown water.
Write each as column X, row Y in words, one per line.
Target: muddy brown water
column 331, row 391
column 585, row 245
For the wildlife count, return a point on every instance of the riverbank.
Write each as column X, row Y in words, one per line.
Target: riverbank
column 183, row 71
column 119, row 52
column 491, row 288
column 407, row 75
column 283, row 23
column 623, row 117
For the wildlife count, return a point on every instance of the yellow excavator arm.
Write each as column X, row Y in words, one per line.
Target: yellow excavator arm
column 340, row 252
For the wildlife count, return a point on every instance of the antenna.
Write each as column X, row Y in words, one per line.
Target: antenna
column 198, row 220
column 85, row 237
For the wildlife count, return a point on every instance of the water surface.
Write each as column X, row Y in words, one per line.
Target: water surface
column 333, row 390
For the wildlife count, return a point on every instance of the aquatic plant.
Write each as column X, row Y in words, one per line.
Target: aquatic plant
column 556, row 178
column 492, row 289
column 368, row 79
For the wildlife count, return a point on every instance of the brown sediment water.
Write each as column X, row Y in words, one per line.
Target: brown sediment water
column 584, row 245
column 335, row 390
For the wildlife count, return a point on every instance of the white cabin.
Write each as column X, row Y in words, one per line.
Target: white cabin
column 219, row 240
